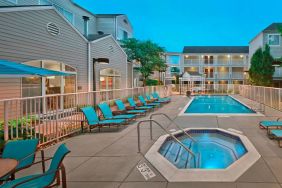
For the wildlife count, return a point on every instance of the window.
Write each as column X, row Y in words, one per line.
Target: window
column 13, row 1
column 122, row 34
column 274, row 39
column 67, row 14
column 110, row 79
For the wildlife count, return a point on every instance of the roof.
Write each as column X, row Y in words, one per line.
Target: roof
column 216, row 49
column 96, row 37
column 273, row 27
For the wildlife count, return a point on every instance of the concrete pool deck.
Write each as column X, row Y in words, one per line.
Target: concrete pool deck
column 109, row 159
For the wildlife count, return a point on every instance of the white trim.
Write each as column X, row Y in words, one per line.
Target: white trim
column 275, row 34
column 89, row 65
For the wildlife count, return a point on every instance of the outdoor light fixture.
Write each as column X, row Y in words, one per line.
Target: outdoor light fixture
column 101, row 61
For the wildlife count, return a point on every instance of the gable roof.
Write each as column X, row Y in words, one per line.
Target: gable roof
column 216, row 49
column 272, row 27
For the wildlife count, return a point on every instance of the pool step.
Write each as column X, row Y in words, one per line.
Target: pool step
column 177, row 155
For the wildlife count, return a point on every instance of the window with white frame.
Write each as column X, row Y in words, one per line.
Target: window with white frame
column 274, row 39
column 13, row 1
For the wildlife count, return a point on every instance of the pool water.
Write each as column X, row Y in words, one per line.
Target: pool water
column 213, row 150
column 217, row 104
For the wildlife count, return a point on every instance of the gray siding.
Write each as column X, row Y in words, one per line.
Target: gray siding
column 118, row 60
column 24, row 38
column 124, row 26
column 254, row 45
column 67, row 5
column 107, row 25
column 10, row 88
column 276, row 51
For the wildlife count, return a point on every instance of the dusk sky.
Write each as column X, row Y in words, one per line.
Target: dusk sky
column 176, row 23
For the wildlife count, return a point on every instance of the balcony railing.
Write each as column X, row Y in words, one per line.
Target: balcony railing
column 50, row 118
column 223, row 75
column 215, row 63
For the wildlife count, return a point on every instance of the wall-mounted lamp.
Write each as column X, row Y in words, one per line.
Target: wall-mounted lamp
column 101, row 61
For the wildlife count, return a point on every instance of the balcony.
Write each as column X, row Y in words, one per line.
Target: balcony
column 278, row 73
column 237, row 75
column 192, row 62
column 223, row 75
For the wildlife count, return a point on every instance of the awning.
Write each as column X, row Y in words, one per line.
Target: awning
column 10, row 69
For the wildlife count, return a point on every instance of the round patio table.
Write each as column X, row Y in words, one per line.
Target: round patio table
column 7, row 166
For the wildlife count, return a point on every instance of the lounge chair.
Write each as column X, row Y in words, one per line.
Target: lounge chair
column 156, row 96
column 144, row 102
column 108, row 114
column 277, row 134
column 130, row 110
column 93, row 120
column 270, row 124
column 155, row 100
column 23, row 151
column 46, row 179
column 133, row 104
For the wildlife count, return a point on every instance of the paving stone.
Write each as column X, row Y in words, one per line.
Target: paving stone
column 201, row 185
column 143, row 185
column 258, row 185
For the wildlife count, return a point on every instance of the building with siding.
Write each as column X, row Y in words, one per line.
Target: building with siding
column 219, row 64
column 271, row 36
column 44, row 36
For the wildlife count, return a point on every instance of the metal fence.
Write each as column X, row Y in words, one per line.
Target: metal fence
column 52, row 117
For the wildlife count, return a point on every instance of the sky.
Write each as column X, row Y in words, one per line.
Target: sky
column 176, row 23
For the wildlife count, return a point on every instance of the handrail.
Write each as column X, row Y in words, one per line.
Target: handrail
column 165, row 115
column 171, row 135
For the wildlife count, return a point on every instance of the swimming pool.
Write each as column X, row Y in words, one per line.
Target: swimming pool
column 213, row 150
column 216, row 104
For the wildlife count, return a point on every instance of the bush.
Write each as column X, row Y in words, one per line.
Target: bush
column 151, row 82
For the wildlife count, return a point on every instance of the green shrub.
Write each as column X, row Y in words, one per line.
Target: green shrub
column 151, row 82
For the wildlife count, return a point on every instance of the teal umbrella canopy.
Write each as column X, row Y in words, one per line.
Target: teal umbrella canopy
column 12, row 69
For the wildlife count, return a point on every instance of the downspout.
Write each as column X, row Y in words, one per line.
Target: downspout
column 89, row 65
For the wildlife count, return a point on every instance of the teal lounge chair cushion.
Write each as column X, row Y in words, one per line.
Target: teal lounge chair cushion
column 19, row 150
column 277, row 133
column 108, row 114
column 143, row 101
column 133, row 104
column 271, row 123
column 156, row 96
column 48, row 177
column 136, row 111
column 120, row 104
column 93, row 119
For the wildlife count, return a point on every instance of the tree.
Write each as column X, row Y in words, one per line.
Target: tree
column 147, row 53
column 261, row 70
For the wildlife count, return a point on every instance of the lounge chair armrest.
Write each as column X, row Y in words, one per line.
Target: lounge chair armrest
column 119, row 112
column 139, row 104
column 129, row 108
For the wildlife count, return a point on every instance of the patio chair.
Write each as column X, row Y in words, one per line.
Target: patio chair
column 277, row 134
column 270, row 124
column 156, row 96
column 93, row 120
column 129, row 110
column 155, row 100
column 133, row 104
column 108, row 113
column 47, row 179
column 144, row 102
column 23, row 151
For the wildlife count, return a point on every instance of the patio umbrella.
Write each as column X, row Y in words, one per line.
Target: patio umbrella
column 10, row 69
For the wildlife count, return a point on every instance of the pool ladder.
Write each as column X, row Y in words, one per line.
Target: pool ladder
column 151, row 121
